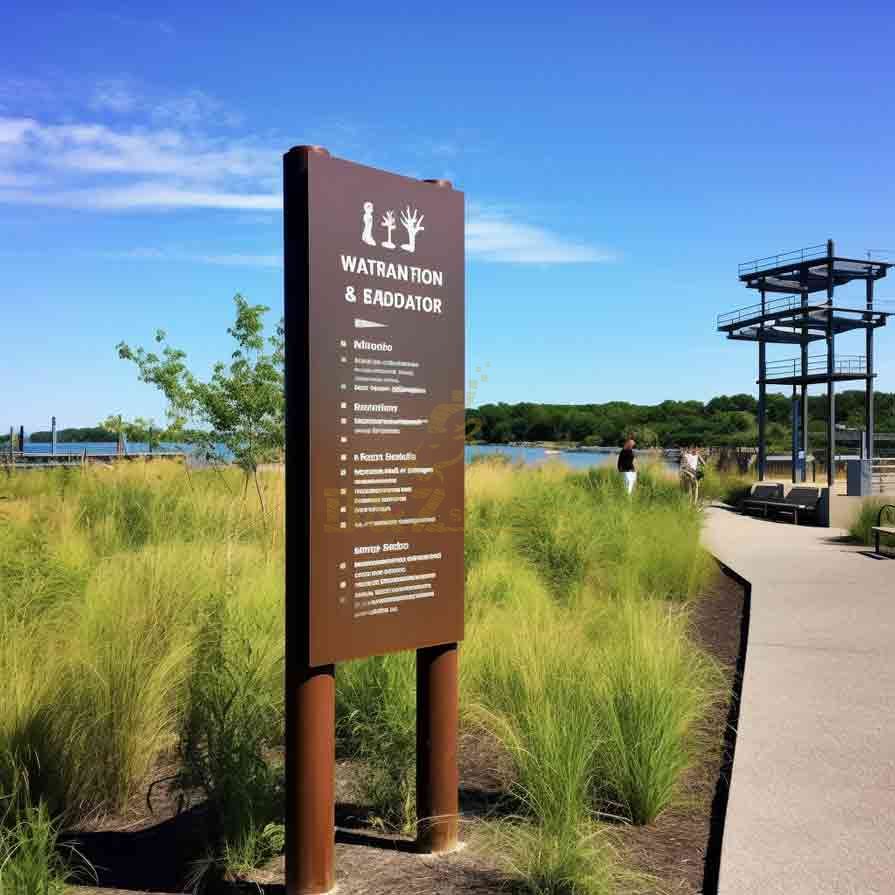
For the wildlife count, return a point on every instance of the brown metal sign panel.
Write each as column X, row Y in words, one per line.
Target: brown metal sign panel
column 375, row 292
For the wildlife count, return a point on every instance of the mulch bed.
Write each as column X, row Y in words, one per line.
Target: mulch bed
column 147, row 851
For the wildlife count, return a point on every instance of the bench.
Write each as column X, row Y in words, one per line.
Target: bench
column 799, row 500
column 761, row 494
column 880, row 529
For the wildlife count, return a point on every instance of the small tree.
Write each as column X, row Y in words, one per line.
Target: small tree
column 242, row 405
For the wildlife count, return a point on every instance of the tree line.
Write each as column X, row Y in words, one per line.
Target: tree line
column 726, row 420
column 242, row 405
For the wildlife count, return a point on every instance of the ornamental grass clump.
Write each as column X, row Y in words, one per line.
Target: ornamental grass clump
column 530, row 683
column 653, row 688
column 233, row 717
column 126, row 659
column 861, row 528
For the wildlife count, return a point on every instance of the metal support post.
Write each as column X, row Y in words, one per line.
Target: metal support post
column 831, row 369
column 437, row 779
column 310, row 691
column 310, row 778
column 869, row 421
column 762, row 396
column 804, row 352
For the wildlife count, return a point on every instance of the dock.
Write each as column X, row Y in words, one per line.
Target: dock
column 16, row 460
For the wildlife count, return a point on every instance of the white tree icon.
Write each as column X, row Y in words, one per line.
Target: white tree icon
column 388, row 221
column 413, row 224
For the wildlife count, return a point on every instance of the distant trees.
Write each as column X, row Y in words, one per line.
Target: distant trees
column 724, row 420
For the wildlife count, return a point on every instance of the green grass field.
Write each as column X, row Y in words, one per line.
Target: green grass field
column 142, row 614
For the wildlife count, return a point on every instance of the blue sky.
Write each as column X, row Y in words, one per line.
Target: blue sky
column 617, row 164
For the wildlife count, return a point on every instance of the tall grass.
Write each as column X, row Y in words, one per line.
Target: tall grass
column 142, row 617
column 109, row 581
column 579, row 661
column 654, row 687
column 376, row 725
column 31, row 859
column 233, row 717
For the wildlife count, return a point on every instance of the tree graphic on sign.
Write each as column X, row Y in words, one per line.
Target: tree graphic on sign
column 413, row 224
column 388, row 221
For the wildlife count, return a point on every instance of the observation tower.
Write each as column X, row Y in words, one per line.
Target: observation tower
column 798, row 307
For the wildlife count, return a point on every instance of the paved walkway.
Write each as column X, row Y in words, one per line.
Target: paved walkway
column 812, row 805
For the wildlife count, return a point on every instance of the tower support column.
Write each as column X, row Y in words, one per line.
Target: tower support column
column 869, row 422
column 831, row 369
column 762, row 398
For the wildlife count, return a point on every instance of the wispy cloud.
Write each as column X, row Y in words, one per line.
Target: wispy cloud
column 144, row 24
column 172, row 157
column 143, row 196
column 195, row 107
column 114, row 96
column 493, row 235
column 226, row 259
column 97, row 166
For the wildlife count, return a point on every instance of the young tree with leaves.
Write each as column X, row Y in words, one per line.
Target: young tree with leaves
column 242, row 405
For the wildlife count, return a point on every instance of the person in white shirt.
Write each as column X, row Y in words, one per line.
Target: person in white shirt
column 690, row 471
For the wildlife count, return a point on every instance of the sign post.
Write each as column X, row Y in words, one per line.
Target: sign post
column 374, row 298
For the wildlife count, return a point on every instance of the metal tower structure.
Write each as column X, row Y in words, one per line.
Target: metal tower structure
column 797, row 308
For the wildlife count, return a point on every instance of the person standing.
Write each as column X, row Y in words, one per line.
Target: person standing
column 691, row 472
column 626, row 465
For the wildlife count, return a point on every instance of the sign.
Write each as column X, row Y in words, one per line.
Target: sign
column 375, row 342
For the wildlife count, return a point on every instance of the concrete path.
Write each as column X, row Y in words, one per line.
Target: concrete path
column 812, row 805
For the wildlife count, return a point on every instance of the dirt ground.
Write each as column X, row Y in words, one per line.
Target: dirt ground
column 153, row 846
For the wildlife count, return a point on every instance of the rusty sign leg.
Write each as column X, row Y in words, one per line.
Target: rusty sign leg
column 437, row 780
column 310, row 782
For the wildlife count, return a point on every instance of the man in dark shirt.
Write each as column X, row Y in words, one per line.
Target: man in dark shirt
column 626, row 465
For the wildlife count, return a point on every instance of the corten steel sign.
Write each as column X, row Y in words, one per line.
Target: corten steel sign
column 385, row 412
column 374, row 277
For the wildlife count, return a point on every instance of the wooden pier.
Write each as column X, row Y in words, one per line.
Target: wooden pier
column 16, row 460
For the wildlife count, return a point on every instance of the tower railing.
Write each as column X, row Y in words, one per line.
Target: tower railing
column 844, row 364
column 809, row 253
column 772, row 305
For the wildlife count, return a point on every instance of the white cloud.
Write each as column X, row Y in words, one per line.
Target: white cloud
column 495, row 236
column 143, row 196
column 13, row 130
column 97, row 166
column 234, row 259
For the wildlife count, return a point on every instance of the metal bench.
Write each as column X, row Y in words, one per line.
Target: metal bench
column 880, row 529
column 799, row 500
column 760, row 496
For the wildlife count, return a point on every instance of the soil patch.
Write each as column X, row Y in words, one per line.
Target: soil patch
column 152, row 846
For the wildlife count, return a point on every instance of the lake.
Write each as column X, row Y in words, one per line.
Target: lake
column 527, row 455
column 534, row 455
